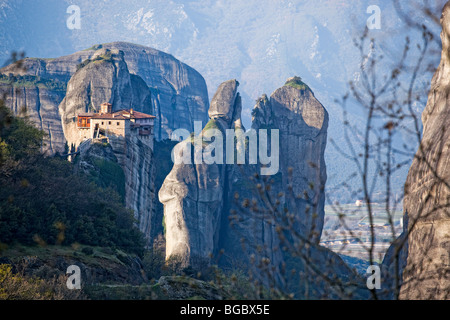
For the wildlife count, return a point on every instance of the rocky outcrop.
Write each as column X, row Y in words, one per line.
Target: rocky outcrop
column 394, row 262
column 40, row 86
column 222, row 104
column 127, row 165
column 104, row 78
column 98, row 161
column 137, row 161
column 193, row 193
column 127, row 76
column 302, row 122
column 179, row 93
column 97, row 265
column 218, row 210
column 40, row 102
column 427, row 191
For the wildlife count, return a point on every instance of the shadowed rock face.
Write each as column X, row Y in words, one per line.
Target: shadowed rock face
column 427, row 192
column 252, row 234
column 200, row 200
column 303, row 124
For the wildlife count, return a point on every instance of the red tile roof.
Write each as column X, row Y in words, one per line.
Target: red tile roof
column 89, row 114
column 123, row 115
column 136, row 114
column 109, row 116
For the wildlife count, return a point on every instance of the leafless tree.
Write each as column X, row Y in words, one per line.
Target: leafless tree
column 387, row 142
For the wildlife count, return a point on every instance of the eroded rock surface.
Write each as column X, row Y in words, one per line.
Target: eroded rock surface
column 203, row 203
column 427, row 191
column 179, row 93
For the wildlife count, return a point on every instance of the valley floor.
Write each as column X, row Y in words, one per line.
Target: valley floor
column 347, row 230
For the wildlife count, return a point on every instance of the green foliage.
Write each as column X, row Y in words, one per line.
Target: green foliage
column 233, row 284
column 42, row 200
column 18, row 138
column 297, row 83
column 154, row 263
column 87, row 251
column 17, row 286
column 29, row 81
column 237, row 284
column 101, row 58
column 109, row 175
column 94, row 47
column 211, row 125
column 83, row 64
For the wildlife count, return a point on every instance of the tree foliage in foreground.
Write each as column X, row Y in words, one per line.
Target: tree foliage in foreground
column 43, row 201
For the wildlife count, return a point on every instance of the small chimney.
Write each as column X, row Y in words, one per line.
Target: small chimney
column 131, row 111
column 105, row 107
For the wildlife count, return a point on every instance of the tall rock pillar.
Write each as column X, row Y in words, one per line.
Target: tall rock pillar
column 427, row 191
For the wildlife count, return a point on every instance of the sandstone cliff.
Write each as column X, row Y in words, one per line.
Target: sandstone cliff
column 427, row 191
column 180, row 96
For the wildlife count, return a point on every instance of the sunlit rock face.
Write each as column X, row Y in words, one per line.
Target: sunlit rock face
column 427, row 192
